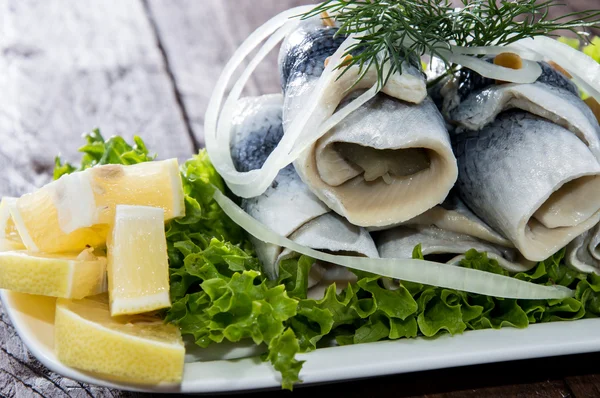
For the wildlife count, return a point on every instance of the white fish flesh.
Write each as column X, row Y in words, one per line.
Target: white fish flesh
column 288, row 207
column 454, row 216
column 583, row 253
column 385, row 163
column 445, row 246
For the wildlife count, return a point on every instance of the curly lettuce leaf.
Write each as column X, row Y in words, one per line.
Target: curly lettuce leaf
column 98, row 151
column 217, row 288
column 204, row 219
column 219, row 293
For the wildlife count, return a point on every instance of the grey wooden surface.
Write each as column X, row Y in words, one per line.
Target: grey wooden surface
column 148, row 67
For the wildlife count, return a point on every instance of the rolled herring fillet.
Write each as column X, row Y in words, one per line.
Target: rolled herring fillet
column 385, row 163
column 531, row 179
column 528, row 158
column 288, row 207
column 445, row 246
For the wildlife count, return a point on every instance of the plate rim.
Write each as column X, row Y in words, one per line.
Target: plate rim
column 517, row 344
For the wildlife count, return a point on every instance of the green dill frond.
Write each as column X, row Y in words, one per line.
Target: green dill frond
column 396, row 30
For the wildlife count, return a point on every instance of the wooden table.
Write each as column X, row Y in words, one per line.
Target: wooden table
column 148, row 67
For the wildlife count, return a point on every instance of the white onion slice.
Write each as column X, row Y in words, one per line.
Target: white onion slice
column 221, row 155
column 529, row 73
column 217, row 124
column 496, row 50
column 418, row 271
column 584, row 69
column 226, row 117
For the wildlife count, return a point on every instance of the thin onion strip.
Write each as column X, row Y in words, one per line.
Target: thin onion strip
column 496, row 50
column 226, row 118
column 418, row 271
column 529, row 73
column 217, row 125
column 584, row 69
column 222, row 159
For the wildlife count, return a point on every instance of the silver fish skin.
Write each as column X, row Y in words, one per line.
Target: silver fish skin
column 453, row 215
column 334, row 234
column 583, row 253
column 451, row 91
column 288, row 206
column 388, row 161
column 531, row 179
column 399, row 242
column 553, row 103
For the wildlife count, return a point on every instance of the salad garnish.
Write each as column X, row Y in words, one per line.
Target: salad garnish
column 390, row 31
column 219, row 292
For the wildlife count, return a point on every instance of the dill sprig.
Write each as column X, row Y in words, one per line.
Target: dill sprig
column 397, row 30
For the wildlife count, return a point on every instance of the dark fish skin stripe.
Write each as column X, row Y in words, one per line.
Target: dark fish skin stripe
column 251, row 152
column 308, row 56
column 552, row 77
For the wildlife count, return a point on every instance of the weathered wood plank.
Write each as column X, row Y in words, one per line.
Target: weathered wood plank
column 65, row 68
column 68, row 67
column 200, row 37
column 584, row 386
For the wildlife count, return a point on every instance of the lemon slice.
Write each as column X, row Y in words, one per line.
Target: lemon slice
column 74, row 211
column 70, row 276
column 140, row 349
column 9, row 236
column 138, row 268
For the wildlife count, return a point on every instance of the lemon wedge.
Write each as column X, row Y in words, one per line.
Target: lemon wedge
column 138, row 268
column 70, row 276
column 75, row 211
column 140, row 349
column 9, row 236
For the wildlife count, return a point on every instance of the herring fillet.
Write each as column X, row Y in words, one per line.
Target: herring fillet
column 554, row 103
column 453, row 215
column 583, row 252
column 288, row 207
column 531, row 179
column 385, row 163
column 546, row 194
column 399, row 242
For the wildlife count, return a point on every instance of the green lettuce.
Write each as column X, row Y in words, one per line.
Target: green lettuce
column 219, row 292
column 98, row 151
column 366, row 311
column 591, row 48
column 217, row 289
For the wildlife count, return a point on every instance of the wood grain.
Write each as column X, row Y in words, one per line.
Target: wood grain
column 67, row 67
column 200, row 37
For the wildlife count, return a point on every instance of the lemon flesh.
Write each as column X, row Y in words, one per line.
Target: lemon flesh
column 69, row 276
column 9, row 236
column 139, row 349
column 138, row 267
column 75, row 211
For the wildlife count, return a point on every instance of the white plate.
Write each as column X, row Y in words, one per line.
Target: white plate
column 33, row 318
